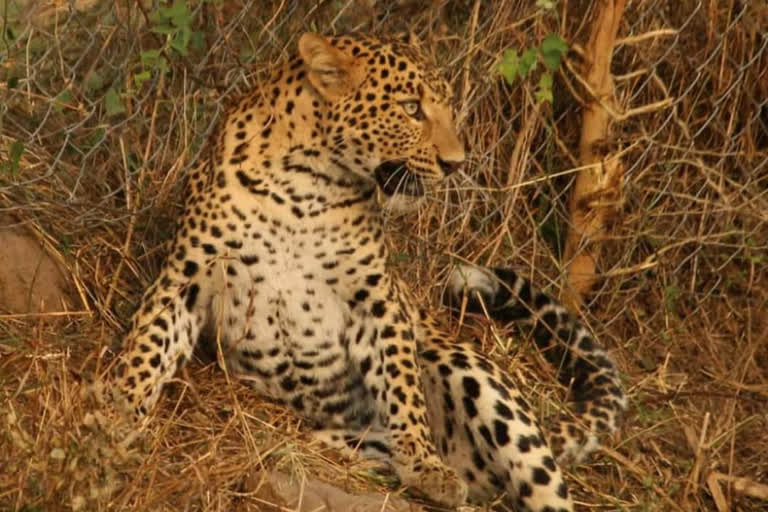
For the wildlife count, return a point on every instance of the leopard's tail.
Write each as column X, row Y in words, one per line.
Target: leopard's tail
column 584, row 366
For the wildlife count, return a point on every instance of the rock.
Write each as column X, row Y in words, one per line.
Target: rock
column 30, row 280
column 283, row 492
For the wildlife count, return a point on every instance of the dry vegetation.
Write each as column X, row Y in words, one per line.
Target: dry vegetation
column 682, row 290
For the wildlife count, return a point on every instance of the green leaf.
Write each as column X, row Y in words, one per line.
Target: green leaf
column 149, row 58
column 62, row 100
column 508, row 66
column 162, row 65
column 399, row 257
column 95, row 82
column 133, row 161
column 65, row 244
column 179, row 14
column 527, row 62
column 113, row 103
column 545, row 4
column 157, row 17
column 552, row 50
column 197, row 40
column 672, row 295
column 544, row 93
column 140, row 78
column 14, row 154
column 181, row 40
column 152, row 59
column 95, row 137
column 163, row 29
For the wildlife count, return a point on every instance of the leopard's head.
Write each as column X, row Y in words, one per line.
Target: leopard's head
column 388, row 115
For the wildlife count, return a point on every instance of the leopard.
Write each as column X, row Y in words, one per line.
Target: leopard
column 280, row 263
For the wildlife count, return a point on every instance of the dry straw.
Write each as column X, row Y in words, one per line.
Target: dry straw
column 680, row 297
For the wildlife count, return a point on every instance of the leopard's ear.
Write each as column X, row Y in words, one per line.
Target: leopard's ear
column 331, row 72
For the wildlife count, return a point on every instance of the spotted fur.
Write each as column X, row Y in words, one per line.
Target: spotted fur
column 280, row 258
column 582, row 364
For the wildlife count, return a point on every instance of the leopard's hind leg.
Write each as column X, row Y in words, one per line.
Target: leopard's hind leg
column 485, row 429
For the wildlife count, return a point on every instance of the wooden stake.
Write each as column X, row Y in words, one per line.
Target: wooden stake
column 597, row 189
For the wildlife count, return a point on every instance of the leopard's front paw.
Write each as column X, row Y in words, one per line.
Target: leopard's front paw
column 438, row 482
column 108, row 413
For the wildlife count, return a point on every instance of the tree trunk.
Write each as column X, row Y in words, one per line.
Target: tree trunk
column 597, row 189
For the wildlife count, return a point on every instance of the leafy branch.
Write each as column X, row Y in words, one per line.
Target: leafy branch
column 549, row 53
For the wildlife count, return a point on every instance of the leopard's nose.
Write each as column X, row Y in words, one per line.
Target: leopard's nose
column 449, row 166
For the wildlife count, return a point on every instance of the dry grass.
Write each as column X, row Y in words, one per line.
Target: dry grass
column 681, row 302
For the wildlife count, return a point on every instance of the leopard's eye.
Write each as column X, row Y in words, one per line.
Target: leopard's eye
column 413, row 109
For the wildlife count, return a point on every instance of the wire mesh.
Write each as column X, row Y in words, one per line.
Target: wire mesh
column 106, row 104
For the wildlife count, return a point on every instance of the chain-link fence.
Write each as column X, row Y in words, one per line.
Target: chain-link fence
column 105, row 104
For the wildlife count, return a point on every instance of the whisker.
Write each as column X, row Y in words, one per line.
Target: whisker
column 404, row 176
